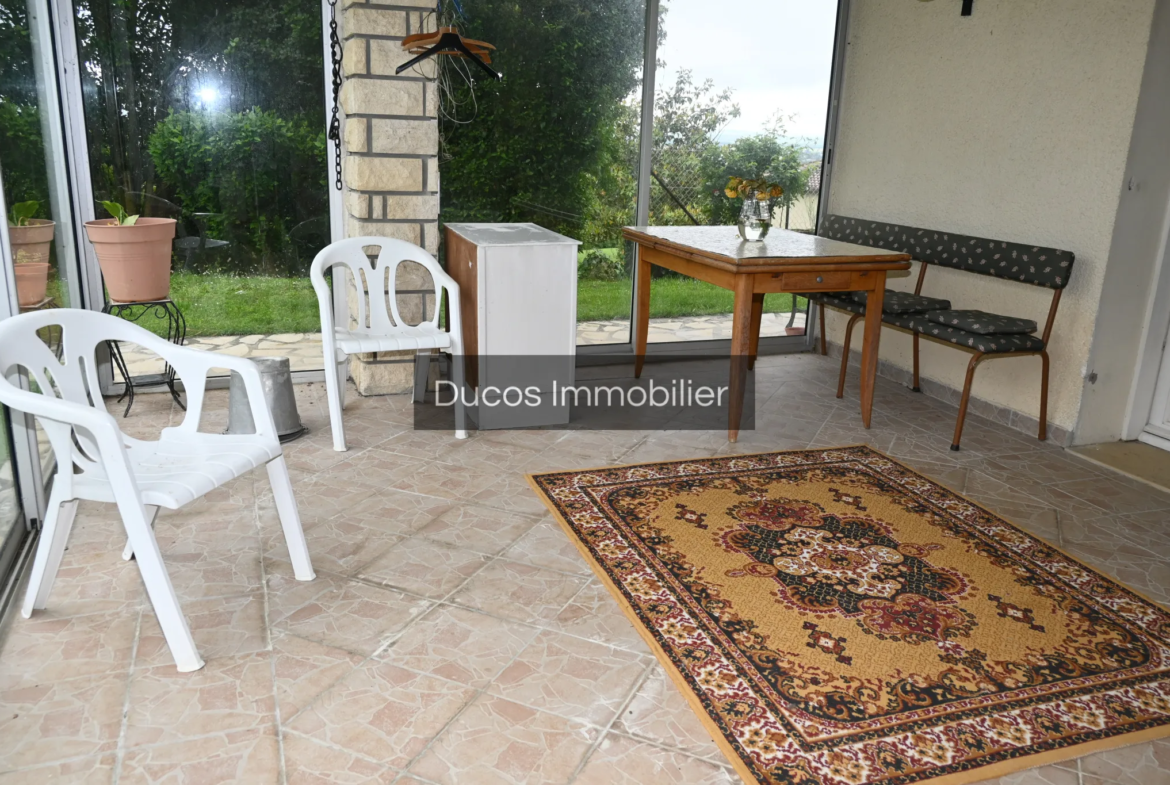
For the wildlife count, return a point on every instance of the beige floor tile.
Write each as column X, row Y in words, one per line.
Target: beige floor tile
column 475, row 528
column 305, row 670
column 222, row 627
column 573, row 678
column 339, row 612
column 659, row 713
column 446, row 481
column 1139, row 764
column 60, row 719
column 97, row 583
column 421, row 566
column 498, row 742
column 619, row 760
column 308, row 762
column 383, row 712
column 1045, row 775
column 511, row 492
column 337, row 545
column 97, row 770
column 519, row 591
column 250, row 756
column 49, row 647
column 547, row 546
column 227, row 694
column 396, row 512
column 594, row 614
column 461, row 645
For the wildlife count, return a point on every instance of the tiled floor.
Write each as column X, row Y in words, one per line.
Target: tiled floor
column 453, row 635
column 304, row 349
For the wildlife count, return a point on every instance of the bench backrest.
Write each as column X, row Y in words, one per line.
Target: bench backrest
column 1031, row 264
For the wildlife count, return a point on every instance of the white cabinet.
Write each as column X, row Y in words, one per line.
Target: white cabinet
column 518, row 291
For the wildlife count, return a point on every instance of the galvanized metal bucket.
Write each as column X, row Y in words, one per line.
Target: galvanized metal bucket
column 276, row 379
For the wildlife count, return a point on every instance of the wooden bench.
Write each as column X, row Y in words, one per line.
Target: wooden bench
column 985, row 335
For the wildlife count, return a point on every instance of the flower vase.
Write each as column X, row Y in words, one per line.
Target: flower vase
column 755, row 219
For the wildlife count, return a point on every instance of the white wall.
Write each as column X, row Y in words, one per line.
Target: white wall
column 1014, row 124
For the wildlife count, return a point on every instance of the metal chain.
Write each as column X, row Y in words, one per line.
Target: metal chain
column 335, row 120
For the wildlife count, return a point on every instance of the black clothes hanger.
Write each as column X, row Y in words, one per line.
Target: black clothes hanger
column 449, row 41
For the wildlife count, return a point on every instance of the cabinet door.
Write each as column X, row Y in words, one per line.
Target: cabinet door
column 530, row 300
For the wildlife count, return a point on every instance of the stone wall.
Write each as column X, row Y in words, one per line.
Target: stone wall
column 390, row 159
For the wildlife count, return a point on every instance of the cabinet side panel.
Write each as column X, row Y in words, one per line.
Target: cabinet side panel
column 462, row 265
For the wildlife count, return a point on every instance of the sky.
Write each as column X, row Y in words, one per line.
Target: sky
column 776, row 55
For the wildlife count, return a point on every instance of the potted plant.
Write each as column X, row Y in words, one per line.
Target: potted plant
column 134, row 254
column 755, row 217
column 31, row 239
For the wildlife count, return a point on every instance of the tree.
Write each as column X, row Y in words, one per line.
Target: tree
column 764, row 156
column 552, row 135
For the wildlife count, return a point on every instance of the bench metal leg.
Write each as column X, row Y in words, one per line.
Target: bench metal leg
column 916, row 388
column 1043, row 435
column 853, row 320
column 971, row 366
column 821, row 316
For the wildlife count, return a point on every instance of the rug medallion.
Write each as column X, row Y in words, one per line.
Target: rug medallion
column 837, row 619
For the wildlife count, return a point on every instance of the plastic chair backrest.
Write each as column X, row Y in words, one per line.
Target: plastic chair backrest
column 372, row 317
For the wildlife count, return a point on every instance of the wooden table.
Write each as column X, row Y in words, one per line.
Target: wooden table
column 784, row 262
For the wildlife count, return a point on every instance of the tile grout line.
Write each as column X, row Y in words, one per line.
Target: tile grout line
column 120, row 749
column 641, row 680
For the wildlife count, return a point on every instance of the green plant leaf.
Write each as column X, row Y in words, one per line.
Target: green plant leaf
column 129, row 220
column 117, row 211
column 22, row 211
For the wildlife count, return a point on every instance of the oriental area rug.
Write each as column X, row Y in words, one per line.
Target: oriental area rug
column 835, row 618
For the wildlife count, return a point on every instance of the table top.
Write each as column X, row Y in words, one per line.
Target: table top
column 509, row 234
column 722, row 246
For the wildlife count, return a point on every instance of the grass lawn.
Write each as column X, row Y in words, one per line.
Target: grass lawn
column 602, row 300
column 225, row 305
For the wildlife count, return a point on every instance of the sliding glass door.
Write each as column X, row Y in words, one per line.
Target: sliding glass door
column 726, row 108
column 211, row 112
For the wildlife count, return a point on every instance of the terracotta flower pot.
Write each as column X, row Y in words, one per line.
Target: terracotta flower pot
column 32, row 281
column 31, row 243
column 30, row 252
column 135, row 260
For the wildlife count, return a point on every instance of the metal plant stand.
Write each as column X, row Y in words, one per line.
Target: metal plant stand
column 176, row 332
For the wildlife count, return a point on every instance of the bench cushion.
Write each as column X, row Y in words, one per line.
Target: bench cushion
column 841, row 300
column 988, row 344
column 982, row 322
column 1031, row 264
column 905, row 302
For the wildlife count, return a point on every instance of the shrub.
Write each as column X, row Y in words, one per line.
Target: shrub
column 260, row 175
column 602, row 265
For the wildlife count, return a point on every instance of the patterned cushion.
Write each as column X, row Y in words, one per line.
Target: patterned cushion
column 841, row 300
column 988, row 344
column 982, row 322
column 905, row 302
column 1028, row 263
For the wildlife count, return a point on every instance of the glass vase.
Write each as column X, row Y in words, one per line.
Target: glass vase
column 755, row 219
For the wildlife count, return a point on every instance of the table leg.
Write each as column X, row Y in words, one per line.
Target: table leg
column 869, row 349
column 741, row 328
column 641, row 313
column 757, row 317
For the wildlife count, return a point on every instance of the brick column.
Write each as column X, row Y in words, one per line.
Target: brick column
column 390, row 159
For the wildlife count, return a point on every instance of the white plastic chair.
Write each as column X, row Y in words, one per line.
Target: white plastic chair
column 378, row 329
column 97, row 462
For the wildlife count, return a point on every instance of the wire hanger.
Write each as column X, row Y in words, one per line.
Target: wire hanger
column 447, row 41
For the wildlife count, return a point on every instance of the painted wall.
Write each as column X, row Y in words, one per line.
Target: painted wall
column 1014, row 124
column 1135, row 300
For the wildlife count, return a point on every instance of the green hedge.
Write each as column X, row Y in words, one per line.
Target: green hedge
column 260, row 175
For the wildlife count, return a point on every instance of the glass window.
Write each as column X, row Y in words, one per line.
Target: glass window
column 211, row 112
column 556, row 141
column 725, row 109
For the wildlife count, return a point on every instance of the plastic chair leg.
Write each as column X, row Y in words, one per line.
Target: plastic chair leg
column 159, row 588
column 335, row 391
column 290, row 519
column 151, row 515
column 458, row 378
column 54, row 535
